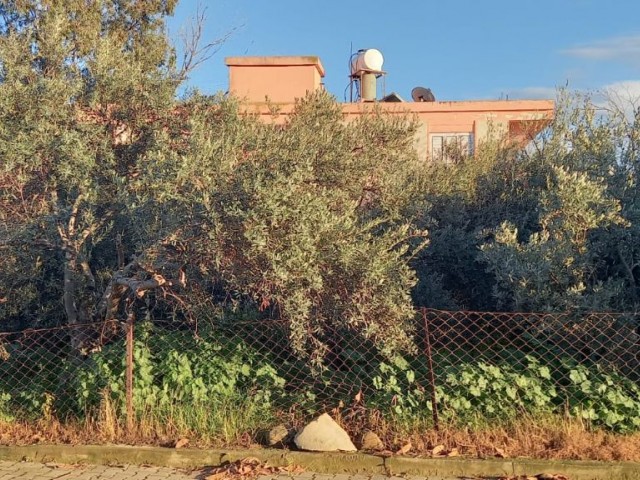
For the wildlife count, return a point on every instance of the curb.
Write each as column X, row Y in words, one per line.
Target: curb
column 328, row 463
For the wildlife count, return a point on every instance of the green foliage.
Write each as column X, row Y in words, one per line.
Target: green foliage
column 478, row 393
column 308, row 220
column 468, row 199
column 551, row 228
column 28, row 395
column 502, row 392
column 174, row 370
column 5, row 408
column 218, row 386
column 551, row 270
column 106, row 178
column 604, row 398
column 84, row 89
column 397, row 388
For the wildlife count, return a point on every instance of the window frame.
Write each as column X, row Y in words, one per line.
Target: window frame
column 439, row 154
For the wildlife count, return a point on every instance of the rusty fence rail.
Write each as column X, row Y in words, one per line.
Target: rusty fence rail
column 464, row 365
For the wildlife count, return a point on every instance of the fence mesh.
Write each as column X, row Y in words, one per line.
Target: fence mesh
column 466, row 366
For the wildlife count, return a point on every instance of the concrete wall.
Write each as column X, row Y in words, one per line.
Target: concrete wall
column 280, row 79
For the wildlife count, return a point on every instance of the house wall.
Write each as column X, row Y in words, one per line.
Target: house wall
column 283, row 79
column 516, row 120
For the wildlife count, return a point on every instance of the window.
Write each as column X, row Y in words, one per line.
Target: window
column 451, row 147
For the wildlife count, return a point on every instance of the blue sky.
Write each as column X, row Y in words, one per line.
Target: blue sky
column 462, row 49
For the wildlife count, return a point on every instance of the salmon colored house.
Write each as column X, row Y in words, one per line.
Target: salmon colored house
column 264, row 81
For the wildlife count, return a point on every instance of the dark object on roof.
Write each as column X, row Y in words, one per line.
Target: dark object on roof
column 421, row 94
column 392, row 97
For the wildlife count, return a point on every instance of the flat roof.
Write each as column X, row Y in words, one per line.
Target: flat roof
column 277, row 61
column 533, row 106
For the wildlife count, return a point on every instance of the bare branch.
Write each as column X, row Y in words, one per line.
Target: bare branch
column 120, row 250
column 139, row 287
column 86, row 270
column 194, row 53
column 92, row 229
column 74, row 216
column 629, row 272
column 63, row 236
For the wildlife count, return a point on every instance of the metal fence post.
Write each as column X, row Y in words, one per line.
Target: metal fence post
column 129, row 371
column 432, row 376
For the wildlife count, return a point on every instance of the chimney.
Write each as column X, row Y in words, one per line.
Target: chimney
column 281, row 79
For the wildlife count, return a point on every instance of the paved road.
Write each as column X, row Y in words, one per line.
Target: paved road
column 52, row 471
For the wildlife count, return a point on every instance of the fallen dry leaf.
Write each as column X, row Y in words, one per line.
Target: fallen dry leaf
column 406, row 448
column 55, row 465
column 358, row 397
column 499, row 453
column 453, row 452
column 539, row 476
column 437, row 450
column 183, row 442
column 250, row 467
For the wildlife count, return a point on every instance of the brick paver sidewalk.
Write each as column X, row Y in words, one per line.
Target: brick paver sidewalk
column 53, row 471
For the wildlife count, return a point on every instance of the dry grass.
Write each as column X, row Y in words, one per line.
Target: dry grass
column 222, row 428
column 553, row 437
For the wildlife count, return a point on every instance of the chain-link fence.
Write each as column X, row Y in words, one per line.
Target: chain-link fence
column 467, row 367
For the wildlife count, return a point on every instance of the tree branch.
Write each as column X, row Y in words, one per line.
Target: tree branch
column 193, row 53
column 629, row 273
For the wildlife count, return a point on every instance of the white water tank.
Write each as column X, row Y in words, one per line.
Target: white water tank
column 369, row 60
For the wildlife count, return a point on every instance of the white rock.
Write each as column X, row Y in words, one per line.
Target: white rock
column 324, row 435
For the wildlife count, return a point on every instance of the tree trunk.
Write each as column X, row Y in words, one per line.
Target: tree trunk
column 76, row 304
column 69, row 299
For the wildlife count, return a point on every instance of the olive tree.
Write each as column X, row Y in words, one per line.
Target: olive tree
column 311, row 220
column 86, row 92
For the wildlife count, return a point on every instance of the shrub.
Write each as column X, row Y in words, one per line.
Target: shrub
column 175, row 370
column 474, row 393
column 309, row 220
column 604, row 398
